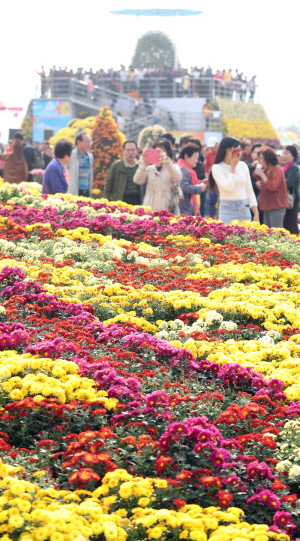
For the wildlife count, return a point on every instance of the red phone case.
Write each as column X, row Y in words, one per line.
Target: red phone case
column 152, row 156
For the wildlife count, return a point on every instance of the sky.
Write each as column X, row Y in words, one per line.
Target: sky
column 259, row 37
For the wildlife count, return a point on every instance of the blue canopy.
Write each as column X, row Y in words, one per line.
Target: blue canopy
column 157, row 12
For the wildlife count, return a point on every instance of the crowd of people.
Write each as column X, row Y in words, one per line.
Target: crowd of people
column 193, row 82
column 234, row 179
column 36, row 155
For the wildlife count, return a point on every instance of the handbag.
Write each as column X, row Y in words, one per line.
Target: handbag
column 291, row 200
column 180, row 193
column 176, row 196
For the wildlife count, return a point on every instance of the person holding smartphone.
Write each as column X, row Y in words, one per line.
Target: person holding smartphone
column 161, row 176
column 232, row 178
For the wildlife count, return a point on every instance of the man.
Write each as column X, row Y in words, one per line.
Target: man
column 47, row 153
column 170, row 121
column 186, row 84
column 206, row 112
column 170, row 138
column 43, row 81
column 212, row 146
column 123, row 74
column 119, row 185
column 79, row 74
column 155, row 112
column 172, row 142
column 184, row 139
column 147, row 103
column 252, row 87
column 81, row 167
column 228, row 80
column 246, row 151
column 212, row 197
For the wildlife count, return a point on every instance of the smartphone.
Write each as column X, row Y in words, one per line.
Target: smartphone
column 258, row 166
column 236, row 151
column 152, row 156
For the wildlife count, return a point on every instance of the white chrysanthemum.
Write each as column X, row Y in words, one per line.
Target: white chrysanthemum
column 163, row 335
column 294, row 471
column 283, row 466
column 163, row 325
column 268, row 340
column 274, row 334
column 228, row 326
column 213, row 317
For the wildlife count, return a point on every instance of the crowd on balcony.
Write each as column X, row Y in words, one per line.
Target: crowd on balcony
column 194, row 82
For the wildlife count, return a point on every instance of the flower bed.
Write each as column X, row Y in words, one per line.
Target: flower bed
column 149, row 370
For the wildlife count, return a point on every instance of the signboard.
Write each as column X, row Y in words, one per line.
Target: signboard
column 49, row 115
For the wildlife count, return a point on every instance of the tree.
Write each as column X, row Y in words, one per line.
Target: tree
column 26, row 125
column 107, row 145
column 153, row 49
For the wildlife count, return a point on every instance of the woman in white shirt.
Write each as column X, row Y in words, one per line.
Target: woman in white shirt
column 234, row 183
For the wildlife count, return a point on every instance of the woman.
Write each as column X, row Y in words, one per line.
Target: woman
column 162, row 180
column 200, row 172
column 56, row 177
column 15, row 165
column 234, row 183
column 188, row 159
column 273, row 199
column 292, row 176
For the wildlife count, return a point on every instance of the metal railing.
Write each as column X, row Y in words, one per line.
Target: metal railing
column 195, row 121
column 136, row 113
column 133, row 127
column 158, row 87
column 81, row 92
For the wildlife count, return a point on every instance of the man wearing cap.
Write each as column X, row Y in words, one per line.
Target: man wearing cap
column 212, row 197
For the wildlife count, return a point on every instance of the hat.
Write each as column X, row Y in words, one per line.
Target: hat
column 212, row 141
column 279, row 152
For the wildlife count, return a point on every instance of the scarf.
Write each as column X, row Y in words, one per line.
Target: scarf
column 194, row 180
column 286, row 167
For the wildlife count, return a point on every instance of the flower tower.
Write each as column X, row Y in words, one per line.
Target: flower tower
column 26, row 125
column 107, row 145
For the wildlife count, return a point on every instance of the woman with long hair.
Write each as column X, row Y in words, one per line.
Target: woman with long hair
column 162, row 180
column 15, row 165
column 232, row 178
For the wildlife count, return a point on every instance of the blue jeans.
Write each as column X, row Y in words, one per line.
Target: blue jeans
column 234, row 210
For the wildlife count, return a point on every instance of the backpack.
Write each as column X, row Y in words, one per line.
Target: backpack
column 38, row 159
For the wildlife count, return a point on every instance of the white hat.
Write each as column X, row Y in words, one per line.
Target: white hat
column 212, row 141
column 279, row 152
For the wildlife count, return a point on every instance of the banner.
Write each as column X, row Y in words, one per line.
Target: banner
column 49, row 115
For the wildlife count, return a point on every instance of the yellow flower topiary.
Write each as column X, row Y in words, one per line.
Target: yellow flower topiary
column 260, row 129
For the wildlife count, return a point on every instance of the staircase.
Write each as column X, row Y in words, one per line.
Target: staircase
column 134, row 111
